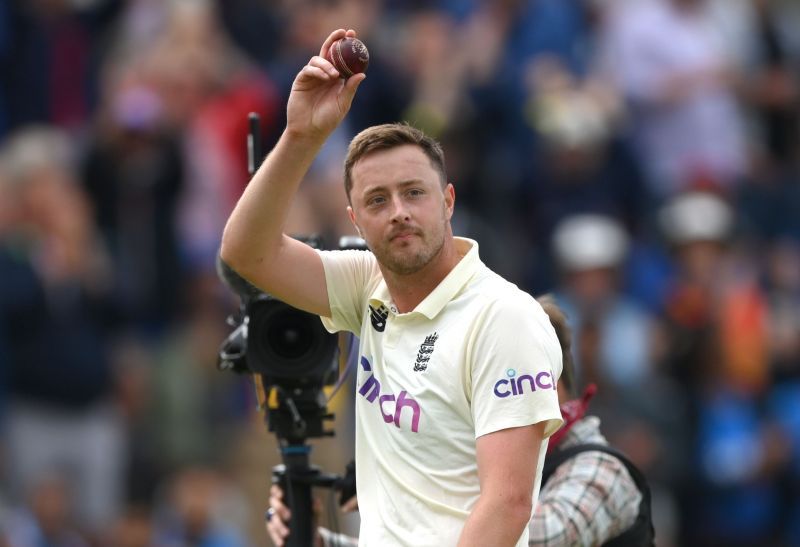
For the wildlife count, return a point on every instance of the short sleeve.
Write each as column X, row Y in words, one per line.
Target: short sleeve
column 350, row 276
column 516, row 363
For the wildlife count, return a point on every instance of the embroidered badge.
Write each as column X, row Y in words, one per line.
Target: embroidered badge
column 425, row 351
column 378, row 317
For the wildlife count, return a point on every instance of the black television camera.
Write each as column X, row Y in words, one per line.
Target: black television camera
column 289, row 352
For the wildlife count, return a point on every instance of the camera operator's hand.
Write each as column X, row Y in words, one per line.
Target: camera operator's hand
column 278, row 516
column 320, row 99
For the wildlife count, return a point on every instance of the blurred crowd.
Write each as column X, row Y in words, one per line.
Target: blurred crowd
column 638, row 158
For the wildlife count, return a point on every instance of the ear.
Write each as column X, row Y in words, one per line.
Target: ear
column 449, row 200
column 352, row 216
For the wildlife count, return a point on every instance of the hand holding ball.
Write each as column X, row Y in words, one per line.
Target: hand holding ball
column 349, row 56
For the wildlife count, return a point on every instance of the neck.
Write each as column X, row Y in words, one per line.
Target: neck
column 408, row 291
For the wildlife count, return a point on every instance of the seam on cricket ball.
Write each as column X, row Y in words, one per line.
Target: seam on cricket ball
column 337, row 50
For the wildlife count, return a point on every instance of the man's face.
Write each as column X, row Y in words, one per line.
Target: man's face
column 400, row 207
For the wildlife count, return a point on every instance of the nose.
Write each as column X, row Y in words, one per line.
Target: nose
column 399, row 211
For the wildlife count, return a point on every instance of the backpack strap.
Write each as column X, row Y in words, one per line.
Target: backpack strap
column 642, row 532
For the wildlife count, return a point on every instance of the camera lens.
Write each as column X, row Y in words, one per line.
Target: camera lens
column 288, row 345
column 289, row 336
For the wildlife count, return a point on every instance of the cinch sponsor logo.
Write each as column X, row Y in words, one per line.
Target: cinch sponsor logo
column 513, row 386
column 391, row 406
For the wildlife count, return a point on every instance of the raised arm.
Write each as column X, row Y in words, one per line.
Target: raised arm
column 253, row 243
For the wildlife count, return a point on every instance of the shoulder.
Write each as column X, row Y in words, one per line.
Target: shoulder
column 496, row 294
column 506, row 320
column 591, row 462
column 501, row 303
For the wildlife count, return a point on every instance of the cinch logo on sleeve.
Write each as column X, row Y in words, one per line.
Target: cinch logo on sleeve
column 391, row 406
column 513, row 386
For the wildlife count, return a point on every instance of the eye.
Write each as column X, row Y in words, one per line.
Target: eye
column 376, row 201
column 416, row 192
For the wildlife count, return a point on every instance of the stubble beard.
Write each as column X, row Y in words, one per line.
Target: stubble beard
column 403, row 263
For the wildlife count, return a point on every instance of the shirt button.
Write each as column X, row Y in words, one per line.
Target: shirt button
column 394, row 310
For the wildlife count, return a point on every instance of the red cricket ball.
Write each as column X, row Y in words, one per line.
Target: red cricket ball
column 349, row 56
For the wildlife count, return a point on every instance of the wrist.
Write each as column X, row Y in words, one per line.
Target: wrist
column 304, row 138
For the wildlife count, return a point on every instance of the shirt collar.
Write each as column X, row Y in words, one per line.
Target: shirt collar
column 447, row 289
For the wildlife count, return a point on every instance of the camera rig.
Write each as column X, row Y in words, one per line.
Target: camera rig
column 291, row 358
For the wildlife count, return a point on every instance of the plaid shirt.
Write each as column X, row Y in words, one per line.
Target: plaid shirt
column 589, row 499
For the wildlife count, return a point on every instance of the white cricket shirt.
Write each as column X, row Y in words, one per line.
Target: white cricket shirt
column 477, row 355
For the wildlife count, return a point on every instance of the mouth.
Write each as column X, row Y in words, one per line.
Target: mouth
column 402, row 236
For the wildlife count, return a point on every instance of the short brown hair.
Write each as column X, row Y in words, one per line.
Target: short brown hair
column 559, row 321
column 386, row 136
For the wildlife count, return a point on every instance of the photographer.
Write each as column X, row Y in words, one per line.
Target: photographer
column 452, row 403
column 587, row 498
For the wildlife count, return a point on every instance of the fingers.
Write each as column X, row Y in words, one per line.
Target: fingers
column 277, row 517
column 318, row 69
column 324, row 65
column 282, row 512
column 277, row 531
column 332, row 37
